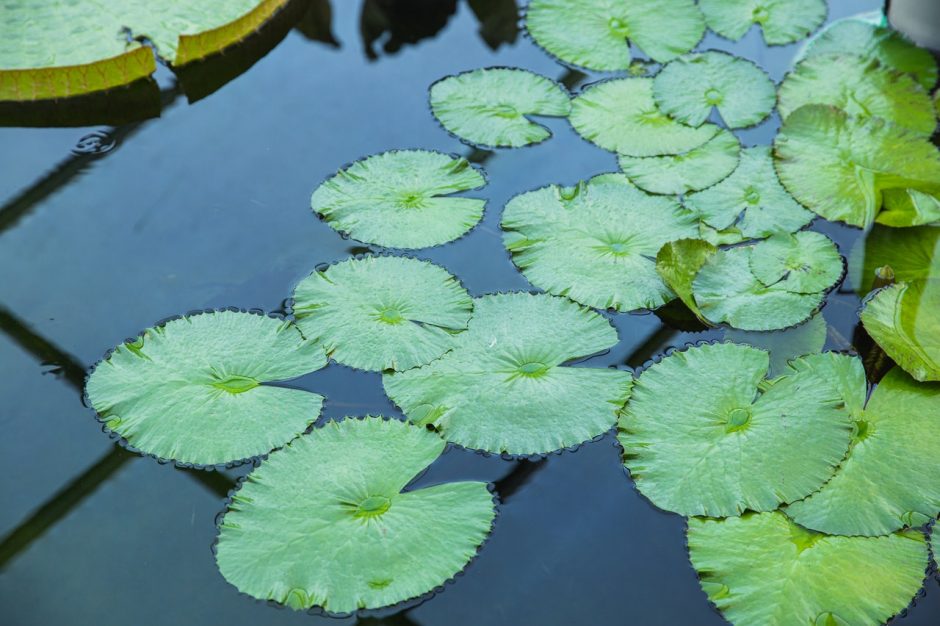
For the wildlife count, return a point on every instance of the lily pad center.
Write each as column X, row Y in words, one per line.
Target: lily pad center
column 413, row 200
column 738, row 419
column 619, row 27
column 713, row 96
column 533, row 369
column 373, row 506
column 236, row 384
column 391, row 315
column 760, row 14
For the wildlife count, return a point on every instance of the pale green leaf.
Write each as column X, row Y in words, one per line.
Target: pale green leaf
column 803, row 262
column 911, row 253
column 910, row 207
column 782, row 21
column 904, row 319
column 678, row 262
column 845, row 372
column 784, row 345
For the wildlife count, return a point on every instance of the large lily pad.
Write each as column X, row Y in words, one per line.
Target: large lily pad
column 703, row 434
column 505, row 387
column 688, row 88
column 784, row 345
column 193, row 390
column 904, row 319
column 402, row 199
column 326, row 521
column 911, row 253
column 764, row 570
column 782, row 21
column 380, row 313
column 804, row 262
column 489, row 107
column 594, row 33
column 596, row 242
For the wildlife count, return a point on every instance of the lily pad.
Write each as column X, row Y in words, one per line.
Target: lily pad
column 621, row 116
column 596, row 242
column 804, row 262
column 402, row 199
column 784, row 345
column 505, row 388
column 781, row 21
column 594, row 33
column 678, row 262
column 696, row 169
column 193, row 390
column 327, row 521
column 384, row 312
column 764, row 570
column 703, row 434
column 911, row 253
column 904, row 319
column 688, row 88
column 490, row 107
column 904, row 208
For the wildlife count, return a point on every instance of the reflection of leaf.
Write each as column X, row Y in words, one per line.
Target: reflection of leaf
column 325, row 521
column 904, row 319
column 782, row 21
column 499, row 21
column 397, row 23
column 784, row 345
column 696, row 169
column 678, row 262
column 911, row 253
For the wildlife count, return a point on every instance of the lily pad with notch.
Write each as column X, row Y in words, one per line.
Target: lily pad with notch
column 784, row 345
column 781, row 21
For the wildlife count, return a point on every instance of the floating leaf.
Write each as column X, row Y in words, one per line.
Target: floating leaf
column 382, row 313
column 804, row 262
column 764, row 570
column 784, row 345
column 326, row 521
column 595, row 242
column 678, row 262
column 782, row 21
column 688, row 88
column 400, row 199
column 489, row 107
column 594, row 33
column 703, row 433
column 910, row 207
column 911, row 253
column 621, row 116
column 504, row 388
column 935, row 543
column 192, row 390
column 904, row 319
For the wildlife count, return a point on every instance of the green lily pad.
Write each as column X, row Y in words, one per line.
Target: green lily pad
column 596, row 242
column 764, row 570
column 505, row 387
column 327, row 521
column 402, row 199
column 904, row 208
column 688, row 88
column 490, row 107
column 862, row 88
column 696, row 169
column 935, row 543
column 751, row 199
column 781, row 21
column 193, row 390
column 911, row 253
column 620, row 115
column 703, row 434
column 838, row 166
column 888, row 480
column 804, row 262
column 385, row 312
column 904, row 319
column 678, row 262
column 594, row 33
column 784, row 345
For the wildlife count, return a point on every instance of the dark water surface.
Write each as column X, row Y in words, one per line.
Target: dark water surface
column 208, row 206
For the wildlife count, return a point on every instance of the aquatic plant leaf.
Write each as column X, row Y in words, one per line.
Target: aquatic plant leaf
column 401, row 199
column 51, row 49
column 781, row 21
column 888, row 480
column 803, row 262
column 784, row 345
column 703, row 435
column 764, row 570
column 489, row 107
column 505, row 389
column 911, row 253
column 678, row 262
column 904, row 208
column 688, row 88
column 838, row 166
column 193, row 390
column 696, row 169
column 594, row 33
column 751, row 199
column 904, row 319
column 620, row 115
column 596, row 242
column 326, row 521
column 383, row 312
column 935, row 543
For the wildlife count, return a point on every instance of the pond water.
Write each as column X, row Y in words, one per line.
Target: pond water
column 207, row 206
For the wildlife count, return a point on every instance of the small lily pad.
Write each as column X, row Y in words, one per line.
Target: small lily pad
column 704, row 435
column 505, row 387
column 596, row 242
column 781, row 21
column 401, row 199
column 489, row 107
column 784, row 345
column 688, row 88
column 383, row 312
column 594, row 33
column 764, row 570
column 804, row 262
column 678, row 262
column 911, row 253
column 193, row 390
column 904, row 319
column 327, row 521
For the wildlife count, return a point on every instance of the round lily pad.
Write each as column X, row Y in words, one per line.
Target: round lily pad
column 703, row 434
column 696, row 169
column 596, row 242
column 384, row 312
column 764, row 570
column 904, row 319
column 402, row 199
column 621, row 116
column 327, row 521
column 490, row 107
column 784, row 345
column 505, row 387
column 193, row 390
column 593, row 34
column 911, row 253
column 688, row 88
column 804, row 262
column 781, row 21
